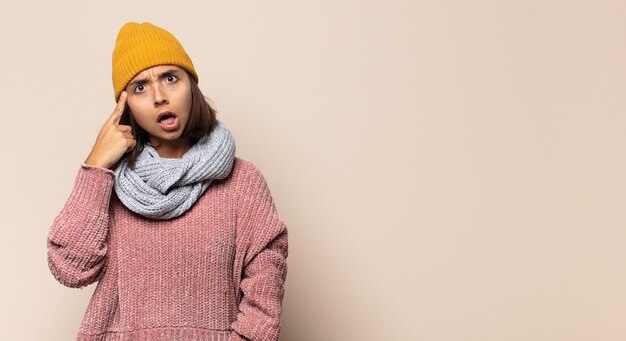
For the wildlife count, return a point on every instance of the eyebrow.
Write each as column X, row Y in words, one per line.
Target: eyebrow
column 160, row 76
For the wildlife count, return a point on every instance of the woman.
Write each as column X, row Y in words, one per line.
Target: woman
column 182, row 236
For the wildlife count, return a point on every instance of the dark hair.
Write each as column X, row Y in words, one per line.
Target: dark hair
column 202, row 121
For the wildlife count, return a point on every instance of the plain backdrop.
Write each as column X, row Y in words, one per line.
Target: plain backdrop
column 448, row 170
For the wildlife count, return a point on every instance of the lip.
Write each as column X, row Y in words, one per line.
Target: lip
column 165, row 113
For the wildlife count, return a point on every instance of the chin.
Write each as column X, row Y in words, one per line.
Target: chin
column 171, row 136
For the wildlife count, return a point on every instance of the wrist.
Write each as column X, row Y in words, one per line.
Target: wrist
column 95, row 163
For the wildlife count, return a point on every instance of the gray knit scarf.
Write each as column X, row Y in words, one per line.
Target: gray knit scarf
column 163, row 188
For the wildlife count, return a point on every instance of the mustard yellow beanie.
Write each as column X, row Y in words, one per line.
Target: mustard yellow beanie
column 141, row 46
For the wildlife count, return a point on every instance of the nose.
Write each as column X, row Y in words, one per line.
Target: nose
column 159, row 96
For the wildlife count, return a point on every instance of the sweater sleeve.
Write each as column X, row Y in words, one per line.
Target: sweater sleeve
column 264, row 236
column 76, row 242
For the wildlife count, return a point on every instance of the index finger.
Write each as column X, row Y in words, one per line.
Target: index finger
column 119, row 109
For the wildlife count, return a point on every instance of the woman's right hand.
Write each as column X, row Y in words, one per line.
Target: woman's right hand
column 114, row 139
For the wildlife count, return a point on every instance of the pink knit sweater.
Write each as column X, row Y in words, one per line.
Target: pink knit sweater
column 217, row 272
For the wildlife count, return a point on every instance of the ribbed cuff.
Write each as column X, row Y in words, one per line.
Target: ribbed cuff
column 105, row 170
column 93, row 187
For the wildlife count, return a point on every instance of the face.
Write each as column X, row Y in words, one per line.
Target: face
column 160, row 101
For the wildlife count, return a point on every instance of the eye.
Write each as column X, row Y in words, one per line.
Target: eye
column 172, row 77
column 137, row 87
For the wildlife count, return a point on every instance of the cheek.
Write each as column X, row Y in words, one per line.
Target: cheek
column 185, row 101
column 137, row 108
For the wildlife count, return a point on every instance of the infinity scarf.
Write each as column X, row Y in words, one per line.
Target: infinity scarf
column 164, row 188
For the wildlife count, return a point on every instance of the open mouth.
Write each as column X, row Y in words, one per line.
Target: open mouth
column 168, row 121
column 166, row 117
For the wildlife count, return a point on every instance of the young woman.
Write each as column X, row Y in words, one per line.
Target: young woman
column 182, row 236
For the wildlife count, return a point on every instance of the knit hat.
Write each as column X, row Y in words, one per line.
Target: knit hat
column 141, row 46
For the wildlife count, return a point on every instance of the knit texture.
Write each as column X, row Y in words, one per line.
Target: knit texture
column 216, row 272
column 164, row 188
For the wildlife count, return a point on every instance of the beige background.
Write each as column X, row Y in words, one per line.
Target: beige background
column 448, row 170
